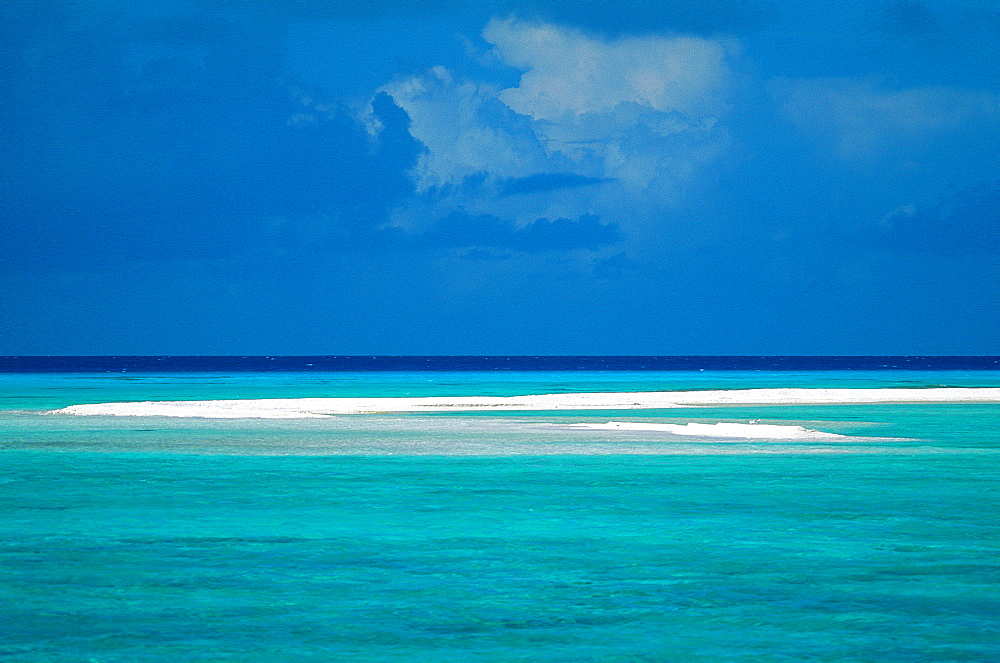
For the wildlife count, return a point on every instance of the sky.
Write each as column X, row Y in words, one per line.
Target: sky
column 407, row 177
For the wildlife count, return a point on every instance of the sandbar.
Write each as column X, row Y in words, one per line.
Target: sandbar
column 302, row 408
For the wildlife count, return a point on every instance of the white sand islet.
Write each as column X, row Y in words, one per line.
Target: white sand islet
column 303, row 408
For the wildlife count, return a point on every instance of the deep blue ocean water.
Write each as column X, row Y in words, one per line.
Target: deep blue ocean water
column 496, row 536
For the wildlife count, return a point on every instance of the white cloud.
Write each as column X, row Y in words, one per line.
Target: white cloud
column 862, row 119
column 450, row 118
column 641, row 114
column 568, row 73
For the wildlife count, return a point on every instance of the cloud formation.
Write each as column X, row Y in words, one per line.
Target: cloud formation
column 567, row 73
column 607, row 128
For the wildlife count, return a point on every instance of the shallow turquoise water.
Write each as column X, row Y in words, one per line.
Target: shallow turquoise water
column 150, row 540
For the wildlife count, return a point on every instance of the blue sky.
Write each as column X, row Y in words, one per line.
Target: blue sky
column 509, row 177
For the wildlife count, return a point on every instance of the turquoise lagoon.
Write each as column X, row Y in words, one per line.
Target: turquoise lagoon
column 496, row 536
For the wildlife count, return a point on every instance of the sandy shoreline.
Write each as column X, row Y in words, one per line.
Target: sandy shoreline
column 299, row 408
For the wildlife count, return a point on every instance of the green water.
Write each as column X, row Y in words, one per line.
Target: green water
column 493, row 537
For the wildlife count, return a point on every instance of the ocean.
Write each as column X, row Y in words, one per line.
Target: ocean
column 870, row 533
